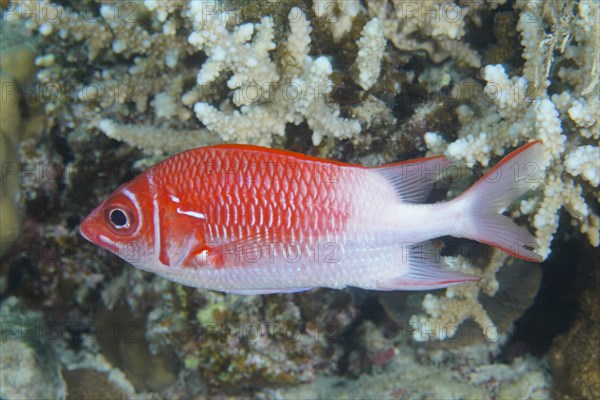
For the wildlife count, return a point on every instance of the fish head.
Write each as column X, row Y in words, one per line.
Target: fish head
column 122, row 223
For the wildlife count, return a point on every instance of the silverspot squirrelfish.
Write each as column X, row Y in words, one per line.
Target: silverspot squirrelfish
column 252, row 220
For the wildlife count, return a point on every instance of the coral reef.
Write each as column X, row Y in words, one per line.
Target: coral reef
column 267, row 99
column 145, row 370
column 433, row 26
column 120, row 85
column 224, row 342
column 458, row 304
column 36, row 363
column 29, row 369
column 157, row 140
column 515, row 110
column 509, row 108
column 372, row 45
column 87, row 383
column 410, row 373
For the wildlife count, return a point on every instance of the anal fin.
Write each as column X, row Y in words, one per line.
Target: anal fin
column 425, row 271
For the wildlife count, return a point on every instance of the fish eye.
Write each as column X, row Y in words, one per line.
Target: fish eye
column 118, row 218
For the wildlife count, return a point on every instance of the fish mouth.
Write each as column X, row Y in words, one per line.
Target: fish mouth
column 85, row 232
column 86, row 229
column 92, row 231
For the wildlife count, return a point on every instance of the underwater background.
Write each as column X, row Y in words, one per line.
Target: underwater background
column 94, row 92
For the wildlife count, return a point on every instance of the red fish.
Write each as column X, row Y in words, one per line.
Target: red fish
column 252, row 220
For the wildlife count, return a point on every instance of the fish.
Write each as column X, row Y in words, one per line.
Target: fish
column 251, row 220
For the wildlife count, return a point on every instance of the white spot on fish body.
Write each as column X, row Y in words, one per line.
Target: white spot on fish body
column 270, row 215
column 194, row 214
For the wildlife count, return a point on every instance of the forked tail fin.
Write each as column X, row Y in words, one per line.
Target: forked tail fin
column 483, row 202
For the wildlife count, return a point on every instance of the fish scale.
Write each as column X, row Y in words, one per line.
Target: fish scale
column 235, row 196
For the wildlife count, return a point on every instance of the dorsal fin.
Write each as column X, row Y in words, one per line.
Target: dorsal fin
column 413, row 179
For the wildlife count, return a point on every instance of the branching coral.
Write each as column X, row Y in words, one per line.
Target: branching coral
column 515, row 110
column 158, row 140
column 372, row 45
column 148, row 68
column 446, row 313
column 339, row 15
column 268, row 99
column 433, row 26
column 262, row 94
column 233, row 51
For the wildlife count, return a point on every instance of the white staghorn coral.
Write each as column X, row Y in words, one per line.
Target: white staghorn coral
column 444, row 314
column 155, row 139
column 233, row 51
column 299, row 94
column 112, row 35
column 260, row 97
column 371, row 46
column 584, row 161
column 518, row 109
column 433, row 26
column 303, row 98
column 338, row 14
column 513, row 111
